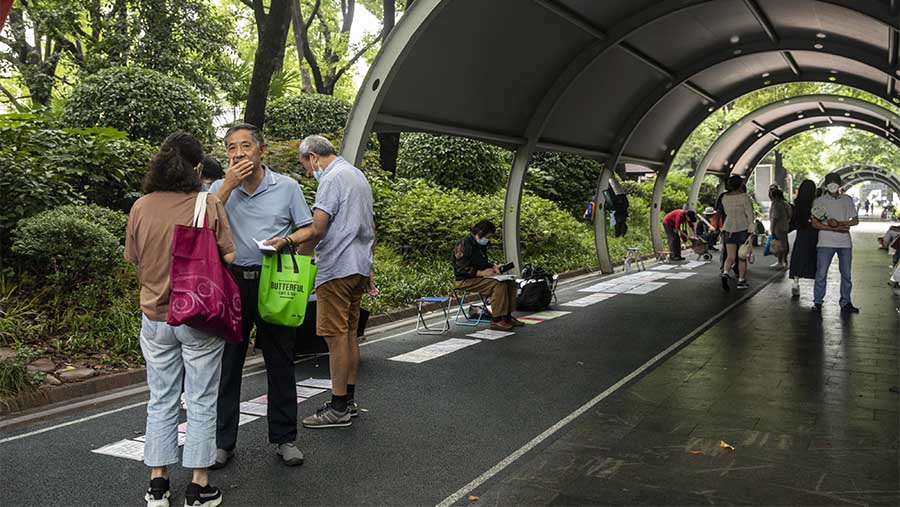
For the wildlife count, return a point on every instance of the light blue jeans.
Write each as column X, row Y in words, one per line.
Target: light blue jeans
column 173, row 354
column 824, row 254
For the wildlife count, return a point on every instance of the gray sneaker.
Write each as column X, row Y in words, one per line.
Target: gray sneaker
column 327, row 417
column 222, row 459
column 290, row 455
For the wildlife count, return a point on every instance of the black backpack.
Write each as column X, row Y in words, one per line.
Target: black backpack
column 534, row 290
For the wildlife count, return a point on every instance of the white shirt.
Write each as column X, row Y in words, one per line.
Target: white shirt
column 840, row 208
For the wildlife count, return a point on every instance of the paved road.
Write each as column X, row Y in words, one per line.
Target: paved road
column 429, row 429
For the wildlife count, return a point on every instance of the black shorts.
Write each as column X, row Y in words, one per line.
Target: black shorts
column 737, row 238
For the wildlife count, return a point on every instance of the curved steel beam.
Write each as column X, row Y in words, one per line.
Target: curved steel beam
column 416, row 20
column 760, row 151
column 834, row 47
column 789, row 107
column 857, row 178
column 400, row 41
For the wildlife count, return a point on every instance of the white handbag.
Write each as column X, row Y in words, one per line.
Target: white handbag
column 746, row 250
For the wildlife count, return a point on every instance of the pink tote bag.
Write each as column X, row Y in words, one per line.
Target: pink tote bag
column 204, row 294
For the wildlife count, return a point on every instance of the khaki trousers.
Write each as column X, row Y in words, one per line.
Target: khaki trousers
column 502, row 294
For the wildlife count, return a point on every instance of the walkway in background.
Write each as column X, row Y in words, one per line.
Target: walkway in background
column 809, row 404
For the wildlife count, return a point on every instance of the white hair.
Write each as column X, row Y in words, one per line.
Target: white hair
column 318, row 145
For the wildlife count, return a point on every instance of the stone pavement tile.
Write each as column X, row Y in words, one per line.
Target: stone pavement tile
column 592, row 493
column 600, row 436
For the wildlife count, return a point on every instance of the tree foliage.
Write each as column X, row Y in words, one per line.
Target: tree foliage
column 569, row 180
column 453, row 162
column 145, row 103
column 45, row 167
column 299, row 116
column 48, row 42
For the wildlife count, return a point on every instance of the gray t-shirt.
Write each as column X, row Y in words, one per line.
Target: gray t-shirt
column 345, row 195
column 840, row 208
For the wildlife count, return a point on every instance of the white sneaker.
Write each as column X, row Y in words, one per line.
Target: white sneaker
column 183, row 402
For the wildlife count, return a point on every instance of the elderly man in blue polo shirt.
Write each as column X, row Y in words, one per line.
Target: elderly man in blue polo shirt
column 260, row 204
column 344, row 233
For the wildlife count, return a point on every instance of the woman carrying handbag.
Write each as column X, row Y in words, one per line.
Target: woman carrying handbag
column 170, row 220
column 738, row 225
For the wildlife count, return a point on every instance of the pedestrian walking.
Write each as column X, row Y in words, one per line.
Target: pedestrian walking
column 343, row 231
column 260, row 204
column 739, row 224
column 803, row 253
column 173, row 354
column 833, row 215
column 780, row 223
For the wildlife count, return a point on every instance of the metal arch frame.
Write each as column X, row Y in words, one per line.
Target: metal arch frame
column 763, row 147
column 643, row 112
column 715, row 150
column 758, row 151
column 402, row 38
column 848, row 171
column 863, row 176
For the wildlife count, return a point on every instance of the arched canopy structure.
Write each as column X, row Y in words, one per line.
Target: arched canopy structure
column 854, row 174
column 617, row 80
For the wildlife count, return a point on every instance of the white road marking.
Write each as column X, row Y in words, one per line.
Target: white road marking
column 248, row 407
column 490, row 334
column 319, row 383
column 308, row 392
column 123, row 449
column 434, row 350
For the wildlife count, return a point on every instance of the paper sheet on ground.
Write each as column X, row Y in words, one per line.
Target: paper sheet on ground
column 123, row 449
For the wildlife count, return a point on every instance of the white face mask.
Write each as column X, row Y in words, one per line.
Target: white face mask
column 833, row 187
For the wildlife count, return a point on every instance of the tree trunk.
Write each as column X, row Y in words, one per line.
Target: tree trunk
column 298, row 27
column 271, row 40
column 388, row 142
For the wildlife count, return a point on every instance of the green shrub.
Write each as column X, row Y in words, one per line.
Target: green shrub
column 403, row 280
column 66, row 249
column 145, row 103
column 112, row 221
column 298, row 116
column 569, row 180
column 45, row 167
column 15, row 379
column 453, row 162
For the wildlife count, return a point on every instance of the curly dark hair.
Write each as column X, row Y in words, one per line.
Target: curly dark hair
column 173, row 168
column 483, row 228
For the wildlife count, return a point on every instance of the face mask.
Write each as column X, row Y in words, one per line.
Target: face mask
column 483, row 241
column 317, row 174
column 833, row 187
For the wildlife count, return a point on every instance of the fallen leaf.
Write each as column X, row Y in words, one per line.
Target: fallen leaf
column 725, row 445
column 695, row 452
column 473, row 498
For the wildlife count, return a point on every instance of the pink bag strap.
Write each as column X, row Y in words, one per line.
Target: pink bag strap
column 200, row 210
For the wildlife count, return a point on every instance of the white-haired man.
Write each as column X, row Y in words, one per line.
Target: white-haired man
column 344, row 234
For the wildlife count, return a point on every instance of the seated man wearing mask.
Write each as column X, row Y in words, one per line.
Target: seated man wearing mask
column 472, row 270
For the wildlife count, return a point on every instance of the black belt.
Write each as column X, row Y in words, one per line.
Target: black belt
column 246, row 272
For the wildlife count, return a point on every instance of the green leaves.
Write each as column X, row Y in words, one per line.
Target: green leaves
column 296, row 117
column 147, row 104
column 69, row 246
column 453, row 162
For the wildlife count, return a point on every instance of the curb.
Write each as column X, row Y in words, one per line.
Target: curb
column 47, row 395
column 50, row 395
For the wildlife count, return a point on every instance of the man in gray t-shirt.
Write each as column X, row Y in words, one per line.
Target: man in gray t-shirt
column 833, row 214
column 344, row 234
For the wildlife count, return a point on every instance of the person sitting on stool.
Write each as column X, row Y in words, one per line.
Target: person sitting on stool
column 674, row 222
column 472, row 270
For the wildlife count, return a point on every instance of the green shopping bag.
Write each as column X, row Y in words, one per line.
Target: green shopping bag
column 285, row 283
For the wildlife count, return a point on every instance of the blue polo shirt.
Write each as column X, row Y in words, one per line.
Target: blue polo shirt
column 275, row 209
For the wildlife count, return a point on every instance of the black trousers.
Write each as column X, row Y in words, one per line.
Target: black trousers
column 277, row 343
column 674, row 241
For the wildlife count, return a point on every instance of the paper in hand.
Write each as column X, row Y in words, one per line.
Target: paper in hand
column 262, row 246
